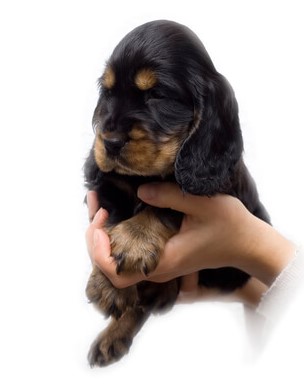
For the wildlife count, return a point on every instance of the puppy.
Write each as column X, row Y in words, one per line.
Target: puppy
column 164, row 114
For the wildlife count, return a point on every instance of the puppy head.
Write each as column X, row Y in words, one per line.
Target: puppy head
column 157, row 93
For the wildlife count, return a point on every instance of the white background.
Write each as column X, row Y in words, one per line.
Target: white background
column 52, row 52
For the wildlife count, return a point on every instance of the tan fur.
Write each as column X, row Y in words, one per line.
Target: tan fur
column 137, row 133
column 136, row 243
column 108, row 79
column 115, row 340
column 141, row 155
column 103, row 162
column 105, row 297
column 145, row 157
column 145, row 79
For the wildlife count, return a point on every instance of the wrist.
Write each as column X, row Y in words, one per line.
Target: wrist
column 267, row 252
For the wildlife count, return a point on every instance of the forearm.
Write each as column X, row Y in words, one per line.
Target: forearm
column 267, row 251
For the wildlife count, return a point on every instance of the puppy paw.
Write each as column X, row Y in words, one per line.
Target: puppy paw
column 108, row 349
column 137, row 243
column 133, row 251
column 115, row 341
column 109, row 300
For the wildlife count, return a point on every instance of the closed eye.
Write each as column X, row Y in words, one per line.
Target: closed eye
column 154, row 94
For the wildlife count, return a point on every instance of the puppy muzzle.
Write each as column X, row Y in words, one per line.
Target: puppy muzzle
column 113, row 146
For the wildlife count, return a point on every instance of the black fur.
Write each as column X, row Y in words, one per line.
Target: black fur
column 190, row 97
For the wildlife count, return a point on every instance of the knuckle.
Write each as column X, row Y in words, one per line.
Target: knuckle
column 117, row 284
column 118, row 281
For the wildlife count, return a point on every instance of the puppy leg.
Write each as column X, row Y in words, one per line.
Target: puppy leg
column 136, row 243
column 109, row 300
column 115, row 341
column 158, row 297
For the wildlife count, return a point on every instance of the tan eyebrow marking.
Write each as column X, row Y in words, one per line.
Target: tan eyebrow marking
column 108, row 79
column 145, row 79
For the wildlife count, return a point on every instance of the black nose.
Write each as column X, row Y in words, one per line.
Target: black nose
column 114, row 145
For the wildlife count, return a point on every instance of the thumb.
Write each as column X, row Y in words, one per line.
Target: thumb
column 169, row 195
column 101, row 256
column 101, row 252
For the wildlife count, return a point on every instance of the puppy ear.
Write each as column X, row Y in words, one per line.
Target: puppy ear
column 206, row 160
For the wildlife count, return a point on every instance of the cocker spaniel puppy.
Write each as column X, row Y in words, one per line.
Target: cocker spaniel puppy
column 164, row 114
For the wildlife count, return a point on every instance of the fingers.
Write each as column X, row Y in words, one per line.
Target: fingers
column 98, row 243
column 101, row 255
column 189, row 283
column 169, row 195
column 97, row 223
column 99, row 248
column 92, row 201
column 96, row 217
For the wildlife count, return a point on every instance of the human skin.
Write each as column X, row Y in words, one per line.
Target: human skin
column 216, row 232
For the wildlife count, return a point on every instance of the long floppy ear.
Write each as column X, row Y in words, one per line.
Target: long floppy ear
column 206, row 160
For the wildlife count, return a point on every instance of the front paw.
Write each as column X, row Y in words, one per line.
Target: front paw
column 137, row 247
column 115, row 341
column 108, row 348
column 109, row 300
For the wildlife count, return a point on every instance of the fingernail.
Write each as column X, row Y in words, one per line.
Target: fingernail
column 147, row 191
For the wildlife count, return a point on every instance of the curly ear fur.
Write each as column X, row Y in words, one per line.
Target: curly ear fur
column 208, row 156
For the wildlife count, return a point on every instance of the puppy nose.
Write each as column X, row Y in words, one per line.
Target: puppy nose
column 114, row 145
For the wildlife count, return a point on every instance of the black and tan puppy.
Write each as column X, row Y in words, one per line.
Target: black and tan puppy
column 164, row 113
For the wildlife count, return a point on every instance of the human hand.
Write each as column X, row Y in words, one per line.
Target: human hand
column 97, row 218
column 99, row 249
column 216, row 232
